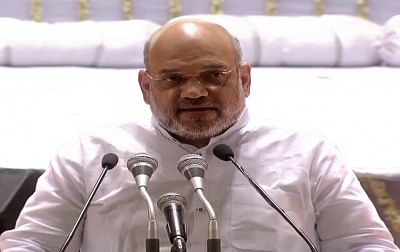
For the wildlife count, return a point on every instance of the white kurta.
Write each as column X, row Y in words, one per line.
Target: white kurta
column 300, row 170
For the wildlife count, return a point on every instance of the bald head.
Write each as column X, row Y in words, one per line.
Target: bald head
column 190, row 32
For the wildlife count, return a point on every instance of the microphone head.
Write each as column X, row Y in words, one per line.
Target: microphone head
column 142, row 163
column 223, row 152
column 173, row 205
column 170, row 198
column 109, row 161
column 192, row 165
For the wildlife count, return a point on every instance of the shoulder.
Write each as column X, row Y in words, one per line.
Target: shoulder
column 121, row 138
column 260, row 127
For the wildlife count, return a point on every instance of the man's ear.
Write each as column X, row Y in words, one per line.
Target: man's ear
column 245, row 76
column 144, row 82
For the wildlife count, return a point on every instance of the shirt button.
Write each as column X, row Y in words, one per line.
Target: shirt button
column 200, row 210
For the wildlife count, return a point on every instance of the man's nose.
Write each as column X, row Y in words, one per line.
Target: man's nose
column 193, row 89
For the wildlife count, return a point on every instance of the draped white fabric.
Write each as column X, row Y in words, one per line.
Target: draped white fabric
column 389, row 47
column 159, row 10
column 86, row 43
column 328, row 40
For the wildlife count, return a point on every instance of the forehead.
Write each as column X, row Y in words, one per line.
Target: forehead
column 191, row 45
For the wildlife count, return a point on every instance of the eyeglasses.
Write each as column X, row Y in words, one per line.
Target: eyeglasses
column 210, row 78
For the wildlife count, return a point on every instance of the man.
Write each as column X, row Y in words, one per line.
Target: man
column 196, row 85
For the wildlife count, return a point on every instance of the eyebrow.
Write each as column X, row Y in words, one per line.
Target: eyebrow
column 205, row 68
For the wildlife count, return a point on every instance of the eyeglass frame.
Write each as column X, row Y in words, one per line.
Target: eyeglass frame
column 187, row 76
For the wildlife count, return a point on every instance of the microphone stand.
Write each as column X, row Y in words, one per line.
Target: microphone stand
column 142, row 166
column 261, row 191
column 193, row 166
column 83, row 212
column 152, row 241
column 213, row 241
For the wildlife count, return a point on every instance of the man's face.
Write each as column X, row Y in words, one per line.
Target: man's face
column 194, row 85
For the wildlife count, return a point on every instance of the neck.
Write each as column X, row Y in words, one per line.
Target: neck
column 199, row 143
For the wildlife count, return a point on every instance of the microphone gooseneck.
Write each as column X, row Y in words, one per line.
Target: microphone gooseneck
column 173, row 206
column 193, row 167
column 142, row 167
column 225, row 153
column 108, row 162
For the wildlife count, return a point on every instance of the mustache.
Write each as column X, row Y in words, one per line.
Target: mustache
column 202, row 102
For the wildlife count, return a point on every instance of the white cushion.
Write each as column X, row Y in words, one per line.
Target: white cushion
column 358, row 39
column 389, row 49
column 87, row 43
column 329, row 40
column 3, row 53
column 289, row 41
column 239, row 27
column 123, row 41
column 69, row 43
column 7, row 26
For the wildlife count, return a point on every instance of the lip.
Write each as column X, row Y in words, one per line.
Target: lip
column 196, row 109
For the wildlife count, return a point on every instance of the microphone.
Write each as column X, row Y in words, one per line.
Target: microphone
column 108, row 162
column 193, row 167
column 225, row 153
column 173, row 206
column 142, row 166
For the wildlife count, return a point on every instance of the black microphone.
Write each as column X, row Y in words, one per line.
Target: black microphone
column 173, row 206
column 193, row 167
column 142, row 166
column 225, row 153
column 108, row 162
